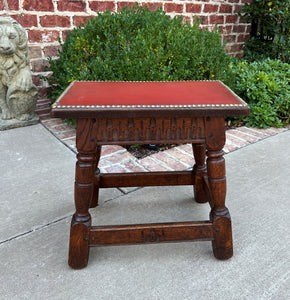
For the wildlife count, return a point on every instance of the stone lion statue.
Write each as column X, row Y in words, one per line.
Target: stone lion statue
column 18, row 94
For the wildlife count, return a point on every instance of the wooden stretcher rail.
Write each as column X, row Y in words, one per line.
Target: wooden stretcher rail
column 145, row 179
column 151, row 233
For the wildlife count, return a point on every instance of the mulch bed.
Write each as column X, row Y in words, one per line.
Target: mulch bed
column 141, row 151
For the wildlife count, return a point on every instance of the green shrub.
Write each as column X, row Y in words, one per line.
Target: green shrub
column 137, row 44
column 270, row 31
column 264, row 85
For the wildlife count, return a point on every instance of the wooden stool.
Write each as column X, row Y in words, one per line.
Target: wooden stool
column 122, row 113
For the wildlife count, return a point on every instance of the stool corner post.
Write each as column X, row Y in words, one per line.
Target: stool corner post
column 222, row 244
column 84, row 189
column 79, row 243
column 216, row 171
column 220, row 216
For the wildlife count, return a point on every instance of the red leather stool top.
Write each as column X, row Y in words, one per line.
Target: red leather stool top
column 120, row 95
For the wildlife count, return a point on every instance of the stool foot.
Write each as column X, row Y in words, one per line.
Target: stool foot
column 79, row 244
column 222, row 244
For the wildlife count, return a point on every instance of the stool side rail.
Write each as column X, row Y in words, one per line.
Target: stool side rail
column 166, row 178
column 151, row 233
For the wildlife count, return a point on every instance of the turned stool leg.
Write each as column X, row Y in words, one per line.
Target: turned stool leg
column 95, row 198
column 84, row 186
column 222, row 243
column 81, row 221
column 200, row 190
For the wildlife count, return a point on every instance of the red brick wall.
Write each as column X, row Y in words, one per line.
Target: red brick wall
column 48, row 20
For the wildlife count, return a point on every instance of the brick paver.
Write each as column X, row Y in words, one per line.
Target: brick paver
column 134, row 166
column 253, row 132
column 229, row 147
column 115, row 169
column 186, row 148
column 235, row 140
column 179, row 155
column 153, row 165
column 109, row 150
column 166, row 160
column 242, row 135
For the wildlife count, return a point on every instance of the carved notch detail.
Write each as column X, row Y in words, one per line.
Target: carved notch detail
column 150, row 129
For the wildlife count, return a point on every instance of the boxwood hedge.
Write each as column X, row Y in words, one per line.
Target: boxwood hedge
column 137, row 44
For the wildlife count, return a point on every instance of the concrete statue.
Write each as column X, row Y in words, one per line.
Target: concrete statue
column 18, row 95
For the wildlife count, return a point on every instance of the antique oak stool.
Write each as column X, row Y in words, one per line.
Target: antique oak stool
column 123, row 113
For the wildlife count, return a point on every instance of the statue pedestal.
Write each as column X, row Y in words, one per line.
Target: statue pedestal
column 14, row 123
